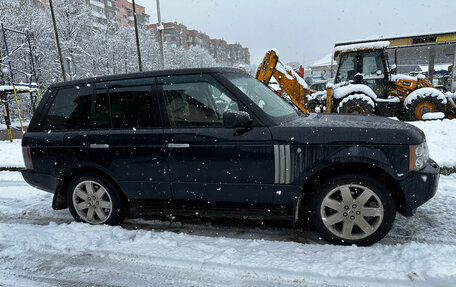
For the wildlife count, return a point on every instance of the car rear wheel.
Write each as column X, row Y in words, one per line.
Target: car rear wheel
column 353, row 209
column 94, row 200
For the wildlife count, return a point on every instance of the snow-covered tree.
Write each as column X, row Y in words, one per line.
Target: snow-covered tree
column 93, row 50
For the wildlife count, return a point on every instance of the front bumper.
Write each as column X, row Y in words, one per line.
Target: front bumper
column 419, row 187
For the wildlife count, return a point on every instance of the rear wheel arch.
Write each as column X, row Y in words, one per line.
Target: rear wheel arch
column 60, row 196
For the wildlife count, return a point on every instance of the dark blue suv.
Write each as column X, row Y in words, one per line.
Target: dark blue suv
column 217, row 142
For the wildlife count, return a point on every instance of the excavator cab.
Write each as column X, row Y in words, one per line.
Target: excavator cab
column 372, row 65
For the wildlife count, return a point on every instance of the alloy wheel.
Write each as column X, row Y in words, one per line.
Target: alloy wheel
column 92, row 202
column 352, row 212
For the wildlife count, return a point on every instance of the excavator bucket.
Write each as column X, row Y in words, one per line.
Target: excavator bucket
column 267, row 67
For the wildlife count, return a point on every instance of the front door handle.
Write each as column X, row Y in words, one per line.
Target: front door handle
column 99, row 146
column 180, row 145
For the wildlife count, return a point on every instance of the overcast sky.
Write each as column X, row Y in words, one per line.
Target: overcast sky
column 303, row 30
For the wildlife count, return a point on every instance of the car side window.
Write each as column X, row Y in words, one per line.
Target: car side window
column 195, row 101
column 70, row 109
column 125, row 104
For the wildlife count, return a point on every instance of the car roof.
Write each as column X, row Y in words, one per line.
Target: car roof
column 157, row 73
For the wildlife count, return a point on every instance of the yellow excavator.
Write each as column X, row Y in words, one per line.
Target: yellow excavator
column 293, row 85
column 364, row 84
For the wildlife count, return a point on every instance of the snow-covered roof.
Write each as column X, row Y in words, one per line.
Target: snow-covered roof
column 439, row 67
column 362, row 46
column 324, row 62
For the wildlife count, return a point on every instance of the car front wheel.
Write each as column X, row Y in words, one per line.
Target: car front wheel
column 353, row 209
column 94, row 200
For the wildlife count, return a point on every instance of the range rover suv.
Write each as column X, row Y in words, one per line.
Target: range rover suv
column 217, row 142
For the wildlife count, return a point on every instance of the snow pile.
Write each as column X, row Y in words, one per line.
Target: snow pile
column 433, row 116
column 362, row 46
column 440, row 137
column 341, row 92
column 11, row 154
column 356, row 96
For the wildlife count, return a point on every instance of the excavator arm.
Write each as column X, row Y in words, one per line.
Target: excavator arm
column 294, row 85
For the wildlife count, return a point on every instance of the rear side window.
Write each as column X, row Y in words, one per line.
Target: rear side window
column 126, row 104
column 70, row 109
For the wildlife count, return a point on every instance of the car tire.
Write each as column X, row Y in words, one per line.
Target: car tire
column 356, row 104
column 93, row 199
column 352, row 209
column 422, row 105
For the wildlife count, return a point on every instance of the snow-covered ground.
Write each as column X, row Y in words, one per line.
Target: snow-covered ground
column 11, row 154
column 42, row 247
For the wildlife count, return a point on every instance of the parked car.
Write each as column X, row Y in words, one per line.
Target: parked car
column 217, row 142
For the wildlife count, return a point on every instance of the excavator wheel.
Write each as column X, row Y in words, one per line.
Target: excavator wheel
column 420, row 106
column 356, row 104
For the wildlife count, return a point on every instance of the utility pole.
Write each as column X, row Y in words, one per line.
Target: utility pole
column 160, row 29
column 137, row 37
column 57, row 40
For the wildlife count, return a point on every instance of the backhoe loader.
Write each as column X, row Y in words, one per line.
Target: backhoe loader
column 364, row 84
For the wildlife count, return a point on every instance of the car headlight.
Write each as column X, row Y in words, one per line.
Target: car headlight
column 419, row 155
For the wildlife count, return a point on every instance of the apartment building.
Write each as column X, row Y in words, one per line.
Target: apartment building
column 179, row 35
column 113, row 12
column 125, row 13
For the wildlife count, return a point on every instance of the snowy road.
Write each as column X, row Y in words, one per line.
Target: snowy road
column 42, row 247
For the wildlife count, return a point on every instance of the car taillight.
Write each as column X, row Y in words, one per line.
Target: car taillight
column 27, row 155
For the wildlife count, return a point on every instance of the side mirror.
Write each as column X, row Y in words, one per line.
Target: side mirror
column 393, row 69
column 236, row 119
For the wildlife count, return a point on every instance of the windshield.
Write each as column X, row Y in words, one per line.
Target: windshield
column 271, row 103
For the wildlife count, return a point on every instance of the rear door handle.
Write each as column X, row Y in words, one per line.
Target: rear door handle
column 99, row 146
column 181, row 145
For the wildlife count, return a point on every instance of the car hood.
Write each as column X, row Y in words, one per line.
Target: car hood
column 347, row 129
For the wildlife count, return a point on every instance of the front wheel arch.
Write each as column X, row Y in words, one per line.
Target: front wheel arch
column 328, row 172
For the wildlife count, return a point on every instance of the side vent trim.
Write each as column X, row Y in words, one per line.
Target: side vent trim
column 282, row 164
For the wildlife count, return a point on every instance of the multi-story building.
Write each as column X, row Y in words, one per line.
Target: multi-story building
column 115, row 12
column 125, row 13
column 104, row 11
column 178, row 35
